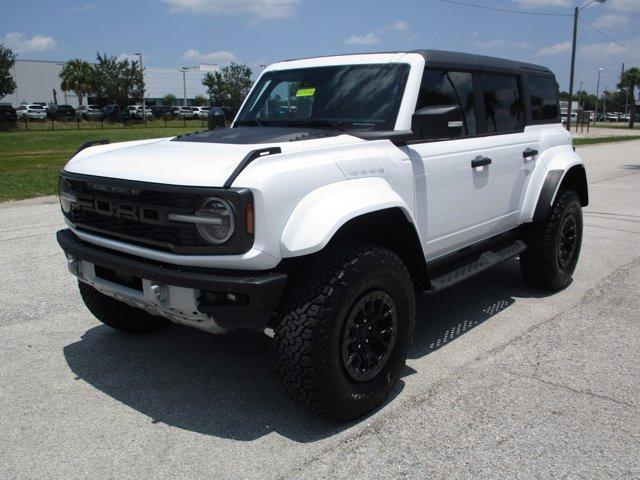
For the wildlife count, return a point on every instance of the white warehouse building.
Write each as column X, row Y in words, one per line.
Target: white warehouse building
column 38, row 81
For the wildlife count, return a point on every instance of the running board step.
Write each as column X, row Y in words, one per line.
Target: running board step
column 487, row 260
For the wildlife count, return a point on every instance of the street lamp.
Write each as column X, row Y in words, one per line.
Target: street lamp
column 576, row 13
column 144, row 113
column 598, row 92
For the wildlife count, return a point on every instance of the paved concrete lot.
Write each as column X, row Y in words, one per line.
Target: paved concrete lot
column 502, row 381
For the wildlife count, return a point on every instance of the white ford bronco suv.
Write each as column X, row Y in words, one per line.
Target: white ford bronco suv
column 344, row 185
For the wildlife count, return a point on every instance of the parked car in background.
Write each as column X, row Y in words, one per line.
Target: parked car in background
column 136, row 111
column 89, row 112
column 7, row 113
column 113, row 113
column 61, row 112
column 200, row 112
column 182, row 112
column 160, row 111
column 32, row 111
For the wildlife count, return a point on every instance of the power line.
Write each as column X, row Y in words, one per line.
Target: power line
column 607, row 36
column 505, row 10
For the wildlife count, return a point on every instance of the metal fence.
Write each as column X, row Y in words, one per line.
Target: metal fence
column 50, row 124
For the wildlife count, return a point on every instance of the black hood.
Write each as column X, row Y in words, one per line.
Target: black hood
column 253, row 135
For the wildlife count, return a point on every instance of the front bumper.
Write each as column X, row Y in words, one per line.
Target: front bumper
column 177, row 292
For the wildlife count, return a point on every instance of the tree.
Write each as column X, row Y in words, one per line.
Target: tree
column 116, row 80
column 169, row 99
column 77, row 76
column 200, row 100
column 230, row 86
column 7, row 60
column 631, row 79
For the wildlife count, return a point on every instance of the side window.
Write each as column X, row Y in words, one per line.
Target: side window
column 543, row 92
column 502, row 103
column 441, row 87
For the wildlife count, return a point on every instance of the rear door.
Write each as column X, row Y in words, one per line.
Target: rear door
column 453, row 199
column 509, row 145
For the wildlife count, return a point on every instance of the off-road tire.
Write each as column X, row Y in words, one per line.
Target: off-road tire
column 119, row 315
column 540, row 263
column 314, row 313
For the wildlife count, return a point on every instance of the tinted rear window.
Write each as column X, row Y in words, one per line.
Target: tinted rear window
column 544, row 98
column 502, row 103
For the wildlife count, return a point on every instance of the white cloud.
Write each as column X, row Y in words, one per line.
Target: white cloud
column 557, row 49
column 543, row 3
column 368, row 39
column 81, row 8
column 257, row 9
column 219, row 57
column 19, row 44
column 624, row 5
column 397, row 26
column 128, row 56
column 611, row 20
column 497, row 43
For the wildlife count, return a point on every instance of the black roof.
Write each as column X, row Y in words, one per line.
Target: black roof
column 469, row 61
column 460, row 60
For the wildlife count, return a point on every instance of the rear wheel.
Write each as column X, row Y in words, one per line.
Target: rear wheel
column 553, row 245
column 346, row 328
column 119, row 315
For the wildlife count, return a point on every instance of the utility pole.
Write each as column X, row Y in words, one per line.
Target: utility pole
column 576, row 14
column 604, row 108
column 184, row 86
column 144, row 112
column 598, row 93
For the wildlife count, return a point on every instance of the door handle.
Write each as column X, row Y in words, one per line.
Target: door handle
column 480, row 161
column 529, row 152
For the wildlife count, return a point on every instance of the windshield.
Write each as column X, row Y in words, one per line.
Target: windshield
column 350, row 97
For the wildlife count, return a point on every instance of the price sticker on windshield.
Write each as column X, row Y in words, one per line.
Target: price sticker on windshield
column 306, row 92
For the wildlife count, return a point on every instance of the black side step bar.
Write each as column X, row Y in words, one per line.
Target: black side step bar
column 487, row 260
column 250, row 157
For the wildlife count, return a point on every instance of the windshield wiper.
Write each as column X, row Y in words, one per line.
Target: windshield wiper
column 252, row 121
column 333, row 124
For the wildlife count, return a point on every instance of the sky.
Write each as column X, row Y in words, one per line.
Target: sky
column 175, row 33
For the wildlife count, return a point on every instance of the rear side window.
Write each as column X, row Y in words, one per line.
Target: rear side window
column 543, row 92
column 502, row 103
column 441, row 87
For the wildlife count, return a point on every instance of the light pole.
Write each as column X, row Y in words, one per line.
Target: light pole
column 576, row 14
column 604, row 106
column 598, row 91
column 144, row 113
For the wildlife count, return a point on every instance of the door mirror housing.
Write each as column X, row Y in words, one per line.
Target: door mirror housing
column 438, row 122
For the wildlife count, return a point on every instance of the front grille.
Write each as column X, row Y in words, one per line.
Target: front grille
column 137, row 212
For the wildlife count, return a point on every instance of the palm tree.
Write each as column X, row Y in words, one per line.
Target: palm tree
column 631, row 79
column 77, row 76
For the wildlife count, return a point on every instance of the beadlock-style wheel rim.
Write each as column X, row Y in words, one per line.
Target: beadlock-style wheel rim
column 568, row 240
column 369, row 336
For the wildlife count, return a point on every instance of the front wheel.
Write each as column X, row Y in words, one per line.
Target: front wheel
column 346, row 328
column 553, row 245
column 119, row 315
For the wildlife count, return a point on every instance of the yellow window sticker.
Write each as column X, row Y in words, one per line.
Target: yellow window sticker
column 306, row 92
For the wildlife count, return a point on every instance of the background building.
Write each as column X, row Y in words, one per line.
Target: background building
column 38, row 81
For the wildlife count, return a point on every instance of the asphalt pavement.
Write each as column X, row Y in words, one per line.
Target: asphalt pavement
column 502, row 380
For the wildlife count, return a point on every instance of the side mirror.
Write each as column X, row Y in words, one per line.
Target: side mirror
column 438, row 122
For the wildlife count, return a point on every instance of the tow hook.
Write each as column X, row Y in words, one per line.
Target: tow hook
column 75, row 266
column 159, row 293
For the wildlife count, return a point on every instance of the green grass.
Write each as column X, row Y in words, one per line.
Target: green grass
column 30, row 161
column 595, row 140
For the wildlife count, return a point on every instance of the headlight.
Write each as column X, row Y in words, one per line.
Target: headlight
column 215, row 222
column 66, row 196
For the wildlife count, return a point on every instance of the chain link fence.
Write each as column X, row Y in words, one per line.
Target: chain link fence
column 166, row 121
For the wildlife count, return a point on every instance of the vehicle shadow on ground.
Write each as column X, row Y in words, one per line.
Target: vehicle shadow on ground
column 227, row 386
